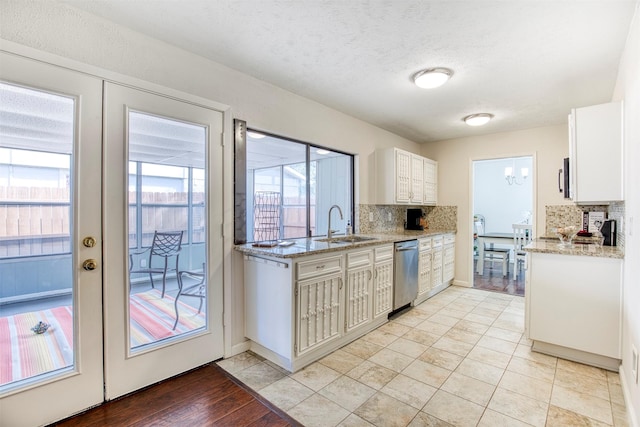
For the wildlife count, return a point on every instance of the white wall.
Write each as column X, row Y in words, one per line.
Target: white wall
column 548, row 146
column 628, row 89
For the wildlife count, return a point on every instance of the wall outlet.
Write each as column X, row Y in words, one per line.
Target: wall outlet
column 143, row 263
column 390, row 216
column 370, row 216
column 634, row 364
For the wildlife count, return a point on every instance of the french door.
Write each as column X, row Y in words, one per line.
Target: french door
column 50, row 226
column 163, row 186
column 91, row 172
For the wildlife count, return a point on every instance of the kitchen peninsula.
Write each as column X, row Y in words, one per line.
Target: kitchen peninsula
column 311, row 296
column 573, row 301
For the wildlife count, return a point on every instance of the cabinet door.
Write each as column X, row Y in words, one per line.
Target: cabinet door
column 358, row 298
column 436, row 268
column 424, row 273
column 417, row 179
column 318, row 308
column 596, row 145
column 448, row 269
column 430, row 196
column 403, row 176
column 383, row 287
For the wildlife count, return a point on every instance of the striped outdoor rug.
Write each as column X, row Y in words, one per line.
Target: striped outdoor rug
column 24, row 354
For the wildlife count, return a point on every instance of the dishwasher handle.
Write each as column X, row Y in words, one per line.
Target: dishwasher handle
column 406, row 248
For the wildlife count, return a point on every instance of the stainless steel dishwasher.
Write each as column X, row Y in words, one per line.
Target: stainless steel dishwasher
column 405, row 273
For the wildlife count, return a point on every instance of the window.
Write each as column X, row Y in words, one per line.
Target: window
column 284, row 188
column 166, row 179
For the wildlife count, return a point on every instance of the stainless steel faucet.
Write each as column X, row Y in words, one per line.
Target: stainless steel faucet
column 330, row 231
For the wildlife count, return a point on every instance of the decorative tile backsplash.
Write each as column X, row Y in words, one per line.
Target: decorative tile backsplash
column 391, row 218
column 565, row 215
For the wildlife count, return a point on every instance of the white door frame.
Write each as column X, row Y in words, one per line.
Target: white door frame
column 534, row 191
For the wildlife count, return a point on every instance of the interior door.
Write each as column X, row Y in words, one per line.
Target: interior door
column 50, row 201
column 163, row 192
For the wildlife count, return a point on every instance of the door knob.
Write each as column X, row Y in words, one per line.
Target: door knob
column 90, row 264
column 89, row 242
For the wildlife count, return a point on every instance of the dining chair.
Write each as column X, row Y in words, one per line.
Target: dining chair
column 500, row 254
column 196, row 290
column 522, row 236
column 165, row 245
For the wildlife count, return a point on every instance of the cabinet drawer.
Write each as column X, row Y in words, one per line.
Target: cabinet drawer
column 383, row 253
column 449, row 239
column 437, row 242
column 425, row 244
column 359, row 258
column 316, row 267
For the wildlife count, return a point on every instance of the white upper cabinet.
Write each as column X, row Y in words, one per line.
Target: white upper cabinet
column 430, row 196
column 402, row 177
column 595, row 147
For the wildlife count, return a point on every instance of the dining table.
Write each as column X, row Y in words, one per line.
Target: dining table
column 497, row 238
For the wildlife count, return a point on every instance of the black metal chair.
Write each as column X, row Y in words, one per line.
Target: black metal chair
column 165, row 245
column 197, row 290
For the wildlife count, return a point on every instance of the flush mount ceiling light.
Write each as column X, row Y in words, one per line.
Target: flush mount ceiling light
column 432, row 77
column 478, row 119
column 322, row 151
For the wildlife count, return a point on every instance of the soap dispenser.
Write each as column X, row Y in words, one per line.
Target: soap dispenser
column 349, row 228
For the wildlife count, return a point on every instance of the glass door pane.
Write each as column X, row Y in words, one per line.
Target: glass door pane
column 36, row 289
column 166, row 229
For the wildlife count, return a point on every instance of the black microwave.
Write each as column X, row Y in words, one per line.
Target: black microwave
column 564, row 179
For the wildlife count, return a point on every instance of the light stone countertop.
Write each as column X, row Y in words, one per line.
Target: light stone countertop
column 311, row 246
column 552, row 246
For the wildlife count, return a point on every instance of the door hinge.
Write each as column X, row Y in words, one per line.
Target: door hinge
column 296, row 289
column 222, row 230
column 222, row 139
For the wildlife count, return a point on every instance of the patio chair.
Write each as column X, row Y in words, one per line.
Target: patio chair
column 196, row 290
column 165, row 245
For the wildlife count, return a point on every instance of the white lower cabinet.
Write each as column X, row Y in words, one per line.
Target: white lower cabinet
column 436, row 261
column 424, row 268
column 359, row 298
column 382, row 280
column 436, row 265
column 318, row 304
column 299, row 310
column 573, row 307
column 449, row 257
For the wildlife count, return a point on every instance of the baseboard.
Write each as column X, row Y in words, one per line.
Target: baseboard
column 462, row 283
column 632, row 417
column 239, row 348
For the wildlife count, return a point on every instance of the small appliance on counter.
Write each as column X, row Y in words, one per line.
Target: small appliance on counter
column 609, row 232
column 414, row 219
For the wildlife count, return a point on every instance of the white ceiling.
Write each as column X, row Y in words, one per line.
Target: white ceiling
column 528, row 62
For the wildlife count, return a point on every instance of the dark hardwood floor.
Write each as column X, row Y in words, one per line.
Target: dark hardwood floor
column 205, row 396
column 492, row 280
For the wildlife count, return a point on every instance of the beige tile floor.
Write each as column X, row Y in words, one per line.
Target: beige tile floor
column 460, row 358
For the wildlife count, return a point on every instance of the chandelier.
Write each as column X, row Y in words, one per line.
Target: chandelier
column 509, row 175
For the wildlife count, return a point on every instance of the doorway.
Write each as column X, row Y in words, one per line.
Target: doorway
column 83, row 203
column 502, row 196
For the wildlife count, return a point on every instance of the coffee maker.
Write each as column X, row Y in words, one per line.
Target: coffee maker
column 413, row 219
column 609, row 232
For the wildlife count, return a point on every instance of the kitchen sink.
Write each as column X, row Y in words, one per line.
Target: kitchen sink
column 347, row 239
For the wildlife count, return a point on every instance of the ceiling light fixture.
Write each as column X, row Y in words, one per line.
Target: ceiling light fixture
column 322, row 151
column 432, row 77
column 478, row 119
